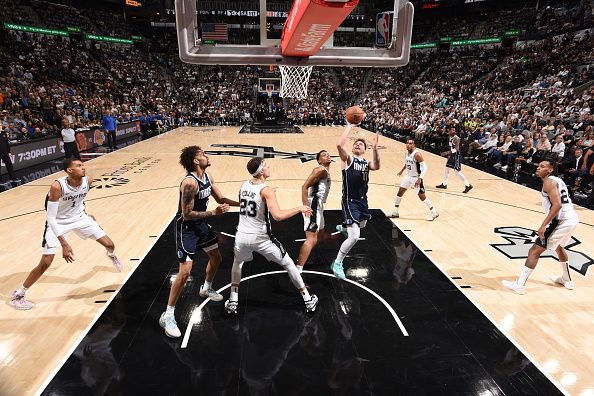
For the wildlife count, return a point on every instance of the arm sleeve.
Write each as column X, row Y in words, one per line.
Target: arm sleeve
column 52, row 212
column 423, row 166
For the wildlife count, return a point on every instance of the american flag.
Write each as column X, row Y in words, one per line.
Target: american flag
column 214, row 31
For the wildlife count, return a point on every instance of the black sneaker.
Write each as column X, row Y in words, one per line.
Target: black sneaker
column 442, row 186
column 467, row 188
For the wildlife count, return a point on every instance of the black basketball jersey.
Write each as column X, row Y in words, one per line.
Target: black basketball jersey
column 201, row 197
column 355, row 179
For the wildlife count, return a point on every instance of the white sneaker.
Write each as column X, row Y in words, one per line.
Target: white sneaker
column 311, row 305
column 497, row 165
column 231, row 306
column 512, row 285
column 210, row 293
column 170, row 325
column 560, row 281
column 117, row 264
column 504, row 168
column 433, row 216
column 395, row 214
column 20, row 302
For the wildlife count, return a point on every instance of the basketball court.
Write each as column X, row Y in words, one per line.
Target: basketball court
column 422, row 311
column 440, row 280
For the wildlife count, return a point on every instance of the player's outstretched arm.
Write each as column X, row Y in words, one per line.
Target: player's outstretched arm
column 341, row 145
column 189, row 188
column 375, row 165
column 313, row 178
column 218, row 196
column 278, row 214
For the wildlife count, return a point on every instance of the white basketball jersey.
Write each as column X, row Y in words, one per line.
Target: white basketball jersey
column 71, row 206
column 567, row 211
column 412, row 165
column 253, row 213
column 322, row 188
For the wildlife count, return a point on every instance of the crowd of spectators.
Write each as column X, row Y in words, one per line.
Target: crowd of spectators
column 511, row 104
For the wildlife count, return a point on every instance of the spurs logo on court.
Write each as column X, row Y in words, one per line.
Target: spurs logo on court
column 108, row 182
column 521, row 239
column 259, row 151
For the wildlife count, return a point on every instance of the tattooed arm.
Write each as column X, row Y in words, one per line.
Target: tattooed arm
column 188, row 190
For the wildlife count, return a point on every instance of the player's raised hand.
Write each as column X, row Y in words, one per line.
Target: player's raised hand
column 375, row 140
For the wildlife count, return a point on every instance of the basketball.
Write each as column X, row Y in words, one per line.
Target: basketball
column 355, row 115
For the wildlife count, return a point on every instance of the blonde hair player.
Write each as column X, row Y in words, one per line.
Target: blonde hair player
column 254, row 233
column 416, row 170
column 314, row 193
column 65, row 207
column 555, row 231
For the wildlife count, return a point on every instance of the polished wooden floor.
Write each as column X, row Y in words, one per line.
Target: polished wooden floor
column 137, row 199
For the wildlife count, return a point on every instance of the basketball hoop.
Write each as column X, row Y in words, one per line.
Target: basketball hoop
column 269, row 91
column 294, row 81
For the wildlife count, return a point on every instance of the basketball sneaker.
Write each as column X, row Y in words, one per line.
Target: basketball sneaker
column 117, row 264
column 342, row 230
column 433, row 216
column 467, row 188
column 560, row 281
column 513, row 285
column 231, row 306
column 338, row 270
column 19, row 302
column 444, row 186
column 170, row 325
column 311, row 305
column 210, row 293
column 395, row 213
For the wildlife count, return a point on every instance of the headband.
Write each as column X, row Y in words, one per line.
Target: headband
column 259, row 169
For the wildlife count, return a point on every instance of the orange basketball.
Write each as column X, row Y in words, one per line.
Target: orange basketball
column 355, row 115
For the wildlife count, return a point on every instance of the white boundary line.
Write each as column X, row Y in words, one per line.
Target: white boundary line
column 532, row 360
column 98, row 315
column 197, row 311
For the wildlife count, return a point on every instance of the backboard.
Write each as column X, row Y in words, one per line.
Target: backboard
column 192, row 49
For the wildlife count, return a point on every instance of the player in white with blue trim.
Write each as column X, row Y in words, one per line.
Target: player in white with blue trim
column 66, row 213
column 555, row 231
column 416, row 170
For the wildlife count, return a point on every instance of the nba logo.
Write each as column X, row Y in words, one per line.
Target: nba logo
column 382, row 29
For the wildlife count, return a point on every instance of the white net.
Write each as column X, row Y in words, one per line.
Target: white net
column 294, row 81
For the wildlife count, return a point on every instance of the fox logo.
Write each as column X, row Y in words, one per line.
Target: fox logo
column 521, row 239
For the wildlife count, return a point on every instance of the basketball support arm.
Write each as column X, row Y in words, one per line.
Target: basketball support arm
column 191, row 49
